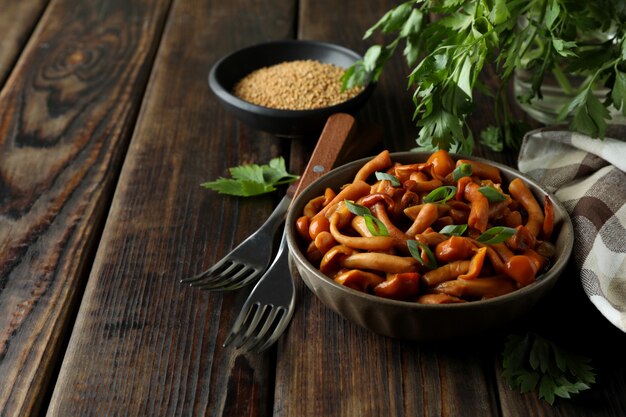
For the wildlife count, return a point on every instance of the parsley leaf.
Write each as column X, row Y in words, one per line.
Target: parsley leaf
column 532, row 362
column 252, row 179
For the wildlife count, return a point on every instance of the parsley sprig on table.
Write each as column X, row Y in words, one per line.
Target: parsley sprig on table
column 532, row 362
column 252, row 179
column 447, row 43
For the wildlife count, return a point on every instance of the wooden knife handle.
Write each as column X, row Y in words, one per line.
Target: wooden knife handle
column 339, row 128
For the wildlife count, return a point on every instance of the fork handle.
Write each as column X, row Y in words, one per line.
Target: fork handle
column 275, row 219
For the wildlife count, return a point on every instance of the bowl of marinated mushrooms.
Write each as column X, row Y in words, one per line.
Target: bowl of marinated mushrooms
column 428, row 246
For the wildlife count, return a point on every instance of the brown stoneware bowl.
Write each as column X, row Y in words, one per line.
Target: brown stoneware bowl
column 409, row 320
column 284, row 123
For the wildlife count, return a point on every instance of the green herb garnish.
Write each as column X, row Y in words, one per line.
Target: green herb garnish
column 374, row 225
column 496, row 234
column 252, row 179
column 531, row 362
column 357, row 209
column 493, row 195
column 453, row 229
column 440, row 194
column 448, row 53
column 391, row 178
column 414, row 248
column 463, row 170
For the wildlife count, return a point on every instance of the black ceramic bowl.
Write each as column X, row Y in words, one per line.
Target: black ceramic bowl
column 409, row 320
column 288, row 123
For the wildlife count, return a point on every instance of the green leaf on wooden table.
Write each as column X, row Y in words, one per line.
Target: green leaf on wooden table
column 276, row 172
column 250, row 172
column 252, row 179
column 532, row 362
column 239, row 187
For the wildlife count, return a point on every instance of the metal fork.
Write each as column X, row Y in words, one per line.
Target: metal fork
column 269, row 307
column 247, row 261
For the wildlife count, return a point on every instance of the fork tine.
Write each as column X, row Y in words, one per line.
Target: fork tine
column 258, row 319
column 241, row 319
column 217, row 268
column 255, row 251
column 238, row 280
column 272, row 320
column 278, row 330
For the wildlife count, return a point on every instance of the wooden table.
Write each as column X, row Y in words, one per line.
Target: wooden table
column 107, row 128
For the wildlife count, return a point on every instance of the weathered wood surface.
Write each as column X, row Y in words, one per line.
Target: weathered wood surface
column 142, row 344
column 157, row 343
column 17, row 21
column 66, row 114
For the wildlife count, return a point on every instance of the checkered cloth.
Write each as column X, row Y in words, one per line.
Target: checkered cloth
column 589, row 177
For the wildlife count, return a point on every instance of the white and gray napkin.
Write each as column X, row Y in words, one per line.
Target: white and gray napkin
column 589, row 177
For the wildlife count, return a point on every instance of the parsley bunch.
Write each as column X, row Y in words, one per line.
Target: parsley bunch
column 447, row 43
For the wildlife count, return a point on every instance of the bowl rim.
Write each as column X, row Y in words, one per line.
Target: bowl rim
column 225, row 95
column 556, row 268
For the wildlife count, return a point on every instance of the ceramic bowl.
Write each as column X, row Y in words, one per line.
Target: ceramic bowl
column 408, row 320
column 285, row 123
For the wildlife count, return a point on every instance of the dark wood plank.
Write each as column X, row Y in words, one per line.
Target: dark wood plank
column 144, row 345
column 17, row 21
column 65, row 121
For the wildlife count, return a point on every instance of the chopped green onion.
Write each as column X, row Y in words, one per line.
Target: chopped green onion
column 357, row 209
column 414, row 248
column 453, row 229
column 463, row 170
column 395, row 182
column 440, row 194
column 375, row 226
column 496, row 235
column 493, row 195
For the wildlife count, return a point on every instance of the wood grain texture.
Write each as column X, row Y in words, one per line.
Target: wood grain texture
column 65, row 118
column 17, row 21
column 144, row 345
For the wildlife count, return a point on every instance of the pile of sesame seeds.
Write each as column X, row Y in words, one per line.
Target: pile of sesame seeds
column 295, row 85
